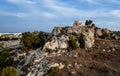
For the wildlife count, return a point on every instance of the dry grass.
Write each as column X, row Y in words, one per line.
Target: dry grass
column 95, row 62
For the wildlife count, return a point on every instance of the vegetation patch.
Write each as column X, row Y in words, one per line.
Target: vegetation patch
column 89, row 23
column 54, row 72
column 9, row 71
column 33, row 40
column 72, row 44
column 82, row 41
column 5, row 59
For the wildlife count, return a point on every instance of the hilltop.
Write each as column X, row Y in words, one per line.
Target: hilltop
column 77, row 50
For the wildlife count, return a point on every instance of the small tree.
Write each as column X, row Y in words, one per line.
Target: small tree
column 86, row 22
column 9, row 71
column 93, row 25
column 89, row 23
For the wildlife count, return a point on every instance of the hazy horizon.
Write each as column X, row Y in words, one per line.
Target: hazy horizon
column 43, row 15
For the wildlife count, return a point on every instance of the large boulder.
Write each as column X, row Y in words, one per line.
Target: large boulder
column 77, row 23
column 55, row 43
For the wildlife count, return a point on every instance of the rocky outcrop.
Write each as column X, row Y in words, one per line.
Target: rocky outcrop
column 105, row 34
column 60, row 36
column 76, row 28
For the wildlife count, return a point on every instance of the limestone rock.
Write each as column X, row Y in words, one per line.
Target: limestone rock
column 52, row 44
column 114, row 36
column 98, row 32
column 56, row 31
column 89, row 37
column 61, row 66
column 57, row 43
column 77, row 23
column 60, row 36
column 69, row 30
column 54, row 65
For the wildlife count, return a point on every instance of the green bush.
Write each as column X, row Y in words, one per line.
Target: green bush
column 42, row 36
column 9, row 71
column 88, row 22
column 82, row 41
column 5, row 60
column 53, row 72
column 72, row 43
column 93, row 25
column 33, row 40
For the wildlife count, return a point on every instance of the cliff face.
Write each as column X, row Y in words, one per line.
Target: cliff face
column 60, row 36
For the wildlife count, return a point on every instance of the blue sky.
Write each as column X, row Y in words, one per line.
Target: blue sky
column 30, row 15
